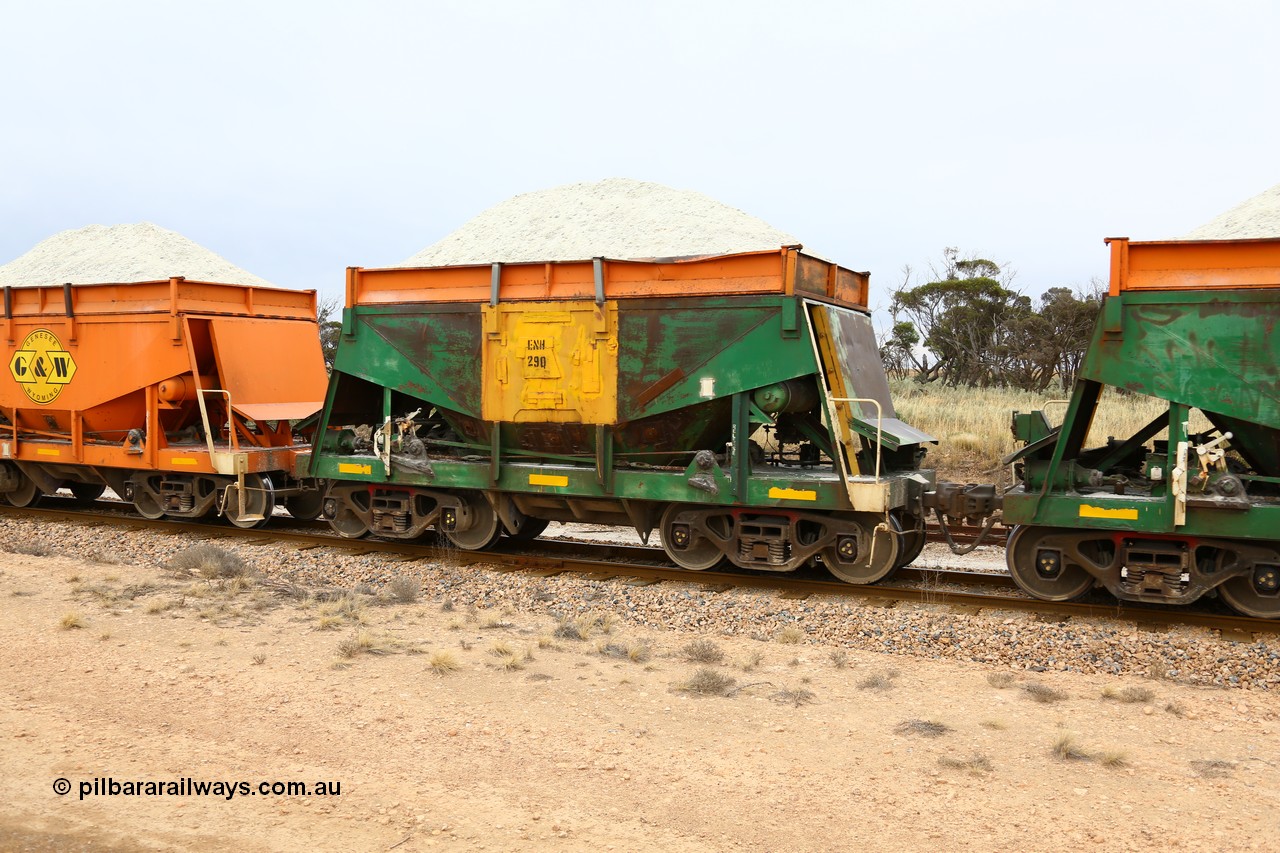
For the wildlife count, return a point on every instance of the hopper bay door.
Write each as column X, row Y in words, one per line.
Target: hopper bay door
column 853, row 382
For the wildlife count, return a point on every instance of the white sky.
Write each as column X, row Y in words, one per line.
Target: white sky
column 297, row 138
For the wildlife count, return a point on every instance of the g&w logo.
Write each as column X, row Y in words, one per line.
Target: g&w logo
column 42, row 366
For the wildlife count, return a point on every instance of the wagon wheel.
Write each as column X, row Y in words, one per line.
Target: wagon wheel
column 684, row 545
column 1039, row 558
column 259, row 502
column 530, row 529
column 145, row 502
column 348, row 525
column 87, row 493
column 870, row 555
column 305, row 505
column 482, row 525
column 26, row 494
column 1254, row 594
column 913, row 540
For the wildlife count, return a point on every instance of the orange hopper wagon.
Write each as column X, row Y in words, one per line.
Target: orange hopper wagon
column 181, row 396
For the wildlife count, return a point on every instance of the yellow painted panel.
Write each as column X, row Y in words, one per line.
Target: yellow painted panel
column 793, row 494
column 550, row 362
column 47, row 451
column 183, row 460
column 353, row 468
column 548, row 480
column 1127, row 514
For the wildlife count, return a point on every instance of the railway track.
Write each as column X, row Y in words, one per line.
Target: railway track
column 964, row 590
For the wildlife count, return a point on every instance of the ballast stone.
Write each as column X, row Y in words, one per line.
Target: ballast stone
column 613, row 218
column 141, row 251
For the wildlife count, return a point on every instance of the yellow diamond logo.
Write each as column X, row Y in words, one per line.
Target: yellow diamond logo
column 41, row 366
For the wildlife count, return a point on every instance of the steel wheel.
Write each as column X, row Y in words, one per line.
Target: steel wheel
column 348, row 525
column 683, row 544
column 87, row 492
column 144, row 502
column 259, row 502
column 305, row 506
column 1254, row 594
column 869, row 556
column 530, row 529
column 913, row 540
column 1040, row 562
column 26, row 494
column 482, row 525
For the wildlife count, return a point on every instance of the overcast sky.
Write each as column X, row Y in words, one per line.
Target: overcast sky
column 297, row 138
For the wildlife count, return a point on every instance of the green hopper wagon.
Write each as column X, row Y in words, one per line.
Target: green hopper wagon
column 735, row 403
column 1189, row 504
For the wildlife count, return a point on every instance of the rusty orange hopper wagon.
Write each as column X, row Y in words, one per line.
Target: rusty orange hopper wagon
column 178, row 395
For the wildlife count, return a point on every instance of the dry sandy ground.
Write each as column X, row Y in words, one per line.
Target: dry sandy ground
column 574, row 750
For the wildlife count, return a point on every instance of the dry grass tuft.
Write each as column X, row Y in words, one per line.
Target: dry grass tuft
column 709, row 682
column 207, row 561
column 878, row 680
column 839, row 658
column 259, row 659
column 404, row 589
column 344, row 608
column 574, row 629
column 70, row 621
column 1113, row 758
column 702, row 651
column 1066, row 748
column 30, row 549
column 490, row 620
column 924, row 728
column 363, row 643
column 994, row 725
column 1213, row 768
column 161, row 605
column 1128, row 694
column 976, row 763
column 753, row 660
column 509, row 663
column 443, row 663
column 634, row 652
column 501, row 649
column 1001, row 680
column 790, row 635
column 793, row 697
column 1043, row 692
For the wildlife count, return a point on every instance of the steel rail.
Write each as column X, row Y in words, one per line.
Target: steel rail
column 923, row 586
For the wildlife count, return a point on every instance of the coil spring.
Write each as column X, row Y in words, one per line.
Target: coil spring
column 778, row 553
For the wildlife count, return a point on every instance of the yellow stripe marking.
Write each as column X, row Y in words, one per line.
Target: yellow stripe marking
column 1086, row 511
column 548, row 480
column 183, row 460
column 45, row 451
column 353, row 468
column 793, row 494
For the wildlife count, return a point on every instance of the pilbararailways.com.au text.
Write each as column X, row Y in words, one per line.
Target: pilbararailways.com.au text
column 188, row 787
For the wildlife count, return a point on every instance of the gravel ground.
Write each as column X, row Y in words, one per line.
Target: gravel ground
column 1003, row 639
